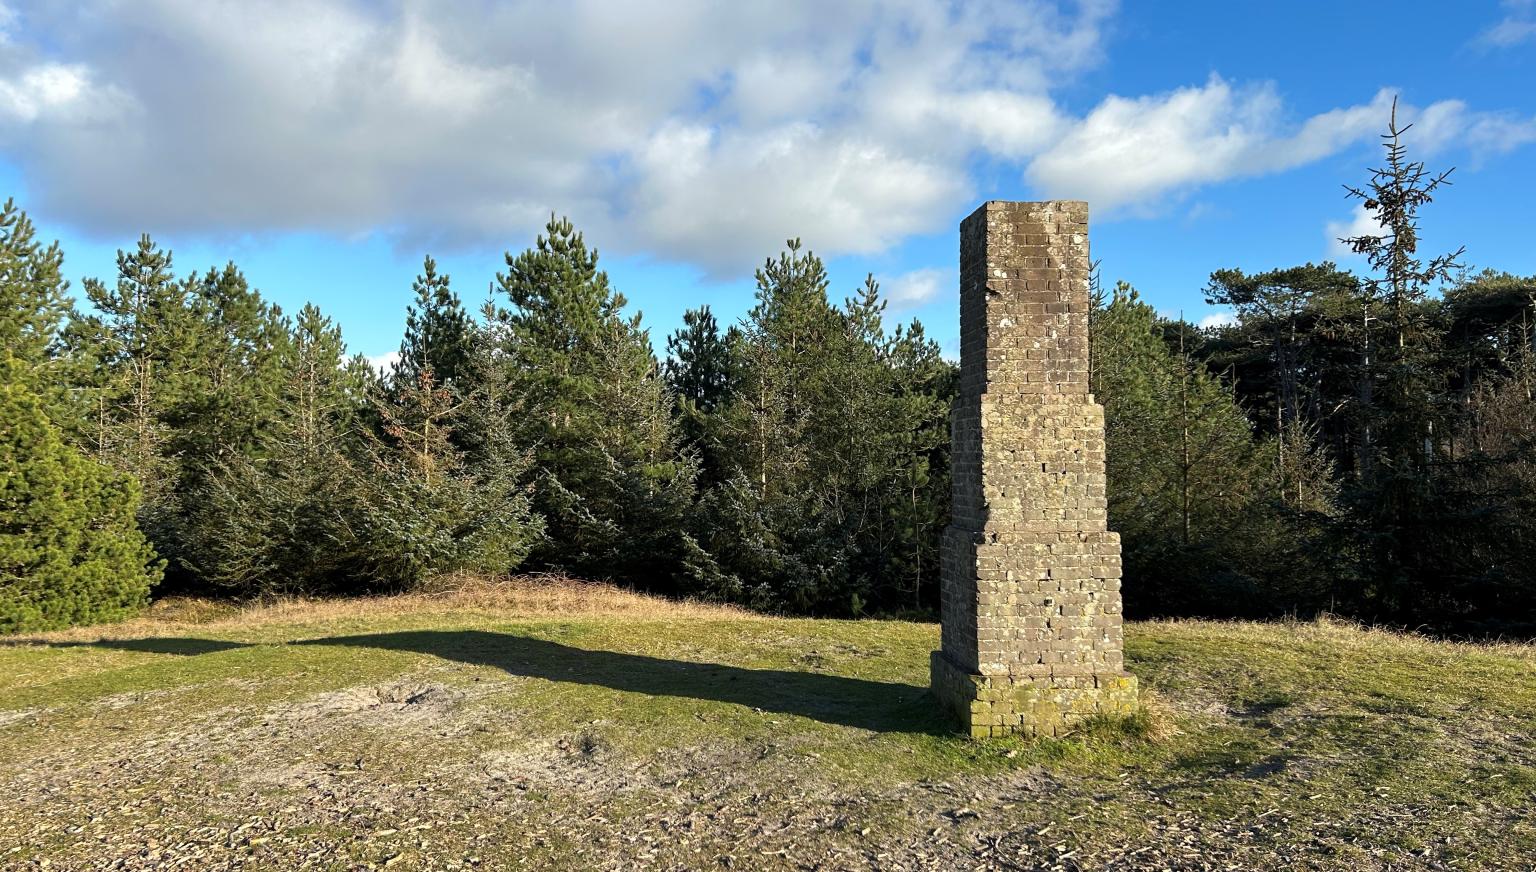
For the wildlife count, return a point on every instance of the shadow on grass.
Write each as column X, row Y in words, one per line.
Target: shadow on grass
column 167, row 645
column 880, row 706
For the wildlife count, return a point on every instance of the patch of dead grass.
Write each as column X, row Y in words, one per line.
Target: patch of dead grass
column 1158, row 721
column 541, row 595
column 1346, row 634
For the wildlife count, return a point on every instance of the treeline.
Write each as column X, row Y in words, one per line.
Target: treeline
column 1393, row 410
column 795, row 461
column 1423, row 408
column 1356, row 443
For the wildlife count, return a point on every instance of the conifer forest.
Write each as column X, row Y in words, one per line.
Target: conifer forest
column 1358, row 442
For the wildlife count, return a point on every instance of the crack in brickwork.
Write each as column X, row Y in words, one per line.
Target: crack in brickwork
column 1032, row 637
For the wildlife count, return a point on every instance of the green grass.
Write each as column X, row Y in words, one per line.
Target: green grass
column 687, row 737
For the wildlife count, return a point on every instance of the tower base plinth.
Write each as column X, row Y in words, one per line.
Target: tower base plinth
column 1029, row 705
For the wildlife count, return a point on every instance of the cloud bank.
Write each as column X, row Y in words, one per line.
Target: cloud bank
column 692, row 131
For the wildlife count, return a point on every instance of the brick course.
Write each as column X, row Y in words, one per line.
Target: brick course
column 1032, row 636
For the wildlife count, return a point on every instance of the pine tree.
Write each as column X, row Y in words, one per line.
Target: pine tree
column 233, row 372
column 1400, row 420
column 699, row 361
column 226, row 346
column 323, row 396
column 437, row 333
column 1291, row 347
column 288, row 518
column 700, row 374
column 834, row 471
column 425, row 511
column 1489, row 324
column 613, row 485
column 788, row 340
column 768, row 523
column 139, row 334
column 1470, row 566
column 917, row 505
column 1191, row 491
column 34, row 309
column 70, row 551
column 1403, row 413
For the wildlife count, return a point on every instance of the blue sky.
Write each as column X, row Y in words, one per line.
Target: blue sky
column 326, row 145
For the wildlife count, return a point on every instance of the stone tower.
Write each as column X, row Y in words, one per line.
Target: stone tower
column 1032, row 634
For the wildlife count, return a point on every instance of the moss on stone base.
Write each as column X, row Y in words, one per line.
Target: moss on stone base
column 1046, row 705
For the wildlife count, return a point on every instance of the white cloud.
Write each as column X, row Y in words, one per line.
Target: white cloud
column 1137, row 152
column 1218, row 319
column 384, row 363
column 1509, row 32
column 1360, row 223
column 1451, row 122
column 1004, row 123
column 1517, row 25
column 916, row 288
column 1132, row 152
column 42, row 89
column 744, row 196
column 1499, row 134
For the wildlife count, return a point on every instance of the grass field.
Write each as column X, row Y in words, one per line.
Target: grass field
column 557, row 726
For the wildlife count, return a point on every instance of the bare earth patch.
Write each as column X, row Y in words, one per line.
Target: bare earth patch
column 10, row 717
column 414, row 698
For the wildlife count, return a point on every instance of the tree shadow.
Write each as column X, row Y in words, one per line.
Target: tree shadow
column 878, row 706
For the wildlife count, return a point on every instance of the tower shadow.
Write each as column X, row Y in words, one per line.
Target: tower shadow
column 878, row 706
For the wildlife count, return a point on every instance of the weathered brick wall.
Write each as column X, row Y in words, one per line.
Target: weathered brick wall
column 1031, row 575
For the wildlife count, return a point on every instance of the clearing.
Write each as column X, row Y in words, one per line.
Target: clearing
column 562, row 726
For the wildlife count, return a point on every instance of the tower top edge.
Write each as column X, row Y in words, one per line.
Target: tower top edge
column 1077, row 207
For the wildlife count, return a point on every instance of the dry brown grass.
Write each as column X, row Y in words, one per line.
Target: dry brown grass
column 1347, row 635
column 549, row 593
column 1159, row 719
column 541, row 595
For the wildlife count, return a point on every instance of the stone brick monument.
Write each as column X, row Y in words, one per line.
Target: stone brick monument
column 1032, row 636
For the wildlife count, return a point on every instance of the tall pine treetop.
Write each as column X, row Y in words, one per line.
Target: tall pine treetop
column 438, row 332
column 699, row 360
column 33, row 301
column 792, row 297
column 561, row 300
